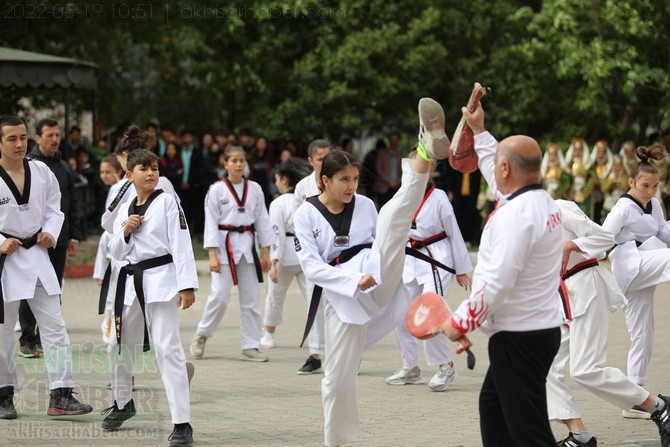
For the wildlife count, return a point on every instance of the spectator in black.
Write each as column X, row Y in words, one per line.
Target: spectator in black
column 192, row 200
column 48, row 140
column 170, row 165
column 246, row 141
column 261, row 163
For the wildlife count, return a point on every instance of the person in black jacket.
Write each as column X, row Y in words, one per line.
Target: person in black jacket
column 48, row 140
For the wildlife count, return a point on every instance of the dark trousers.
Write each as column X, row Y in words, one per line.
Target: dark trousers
column 29, row 331
column 513, row 399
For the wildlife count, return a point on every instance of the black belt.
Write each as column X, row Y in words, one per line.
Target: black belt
column 289, row 234
column 343, row 257
column 104, row 289
column 137, row 271
column 416, row 244
column 26, row 243
column 231, row 255
column 579, row 267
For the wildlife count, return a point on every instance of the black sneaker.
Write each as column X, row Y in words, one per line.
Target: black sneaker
column 662, row 420
column 182, row 435
column 570, row 441
column 115, row 417
column 311, row 366
column 63, row 403
column 7, row 409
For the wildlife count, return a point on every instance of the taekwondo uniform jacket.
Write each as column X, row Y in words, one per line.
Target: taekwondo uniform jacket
column 281, row 218
column 163, row 231
column 436, row 216
column 23, row 219
column 631, row 226
column 316, row 246
column 221, row 208
column 593, row 241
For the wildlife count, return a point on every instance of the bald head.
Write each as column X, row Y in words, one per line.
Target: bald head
column 518, row 161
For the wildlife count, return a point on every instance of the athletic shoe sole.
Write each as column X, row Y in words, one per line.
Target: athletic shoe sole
column 431, row 118
column 635, row 414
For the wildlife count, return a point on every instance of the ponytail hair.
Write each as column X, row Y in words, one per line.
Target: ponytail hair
column 646, row 154
column 133, row 138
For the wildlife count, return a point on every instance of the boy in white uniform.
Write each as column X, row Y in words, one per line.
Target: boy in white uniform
column 152, row 240
column 30, row 219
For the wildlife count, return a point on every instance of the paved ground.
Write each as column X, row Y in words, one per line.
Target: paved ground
column 239, row 403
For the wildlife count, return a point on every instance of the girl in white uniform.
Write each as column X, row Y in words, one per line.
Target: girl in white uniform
column 592, row 291
column 641, row 258
column 358, row 259
column 284, row 265
column 435, row 233
column 110, row 174
column 152, row 241
column 308, row 187
column 235, row 216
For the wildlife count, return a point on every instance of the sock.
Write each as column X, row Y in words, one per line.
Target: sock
column 581, row 436
column 421, row 150
column 658, row 405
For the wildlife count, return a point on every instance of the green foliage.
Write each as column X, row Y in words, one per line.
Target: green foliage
column 301, row 68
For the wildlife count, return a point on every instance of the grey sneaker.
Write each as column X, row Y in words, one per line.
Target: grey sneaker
column 253, row 355
column 198, row 346
column 406, row 376
column 443, row 378
column 431, row 129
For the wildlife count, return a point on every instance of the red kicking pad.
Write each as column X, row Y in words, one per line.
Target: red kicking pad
column 426, row 315
column 425, row 318
column 462, row 155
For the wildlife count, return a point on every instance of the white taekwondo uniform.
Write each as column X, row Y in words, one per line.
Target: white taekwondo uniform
column 222, row 208
column 163, row 232
column 435, row 220
column 593, row 291
column 283, row 250
column 347, row 309
column 638, row 270
column 29, row 275
column 305, row 188
column 125, row 193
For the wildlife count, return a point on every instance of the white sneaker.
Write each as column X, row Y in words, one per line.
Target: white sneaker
column 431, row 129
column 268, row 341
column 253, row 355
column 198, row 346
column 17, row 326
column 636, row 412
column 443, row 378
column 406, row 376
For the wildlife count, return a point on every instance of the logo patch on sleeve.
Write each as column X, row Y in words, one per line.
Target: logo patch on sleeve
column 296, row 242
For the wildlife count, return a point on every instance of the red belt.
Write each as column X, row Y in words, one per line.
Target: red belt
column 579, row 267
column 231, row 255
